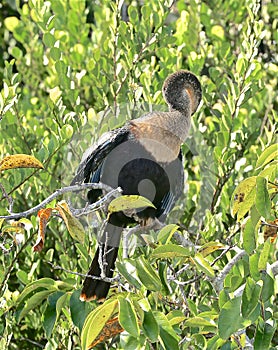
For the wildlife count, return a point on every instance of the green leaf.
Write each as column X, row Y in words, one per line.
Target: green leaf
column 229, row 318
column 129, row 202
column 55, row 53
column 48, row 39
column 127, row 317
column 268, row 287
column 241, row 64
column 198, row 322
column 148, row 275
column 253, row 266
column 50, row 314
column 16, row 52
column 263, row 259
column 48, row 283
column 150, row 326
column 33, row 302
column 175, row 317
column 264, row 334
column 122, row 268
column 55, row 94
column 269, row 154
column 95, row 321
column 166, row 233
column 66, row 131
column 250, row 231
column 263, row 203
column 167, row 334
column 244, row 197
column 250, row 297
column 78, row 310
column 203, row 265
column 171, row 251
column 270, row 171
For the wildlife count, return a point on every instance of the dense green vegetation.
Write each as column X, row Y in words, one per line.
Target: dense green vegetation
column 71, row 70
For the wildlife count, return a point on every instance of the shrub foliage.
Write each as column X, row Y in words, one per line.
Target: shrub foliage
column 73, row 69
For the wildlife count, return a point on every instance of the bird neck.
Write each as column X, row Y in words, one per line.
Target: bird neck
column 162, row 133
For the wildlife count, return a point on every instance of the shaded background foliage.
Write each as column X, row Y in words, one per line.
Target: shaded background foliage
column 81, row 68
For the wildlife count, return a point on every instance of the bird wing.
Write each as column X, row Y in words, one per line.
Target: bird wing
column 90, row 167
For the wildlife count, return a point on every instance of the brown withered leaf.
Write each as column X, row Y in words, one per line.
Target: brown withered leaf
column 74, row 226
column 44, row 215
column 110, row 330
column 20, row 161
column 271, row 231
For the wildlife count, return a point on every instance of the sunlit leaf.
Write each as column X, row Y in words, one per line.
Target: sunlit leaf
column 166, row 233
column 11, row 23
column 198, row 322
column 47, row 283
column 203, row 265
column 95, row 322
column 269, row 154
column 171, row 251
column 210, row 247
column 175, row 317
column 129, row 202
column 244, row 197
column 148, row 275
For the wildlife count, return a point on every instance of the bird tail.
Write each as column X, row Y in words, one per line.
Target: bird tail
column 105, row 255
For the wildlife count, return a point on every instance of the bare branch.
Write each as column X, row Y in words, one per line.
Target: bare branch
column 218, row 280
column 106, row 279
column 63, row 190
column 186, row 243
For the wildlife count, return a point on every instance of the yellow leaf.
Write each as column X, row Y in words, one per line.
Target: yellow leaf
column 11, row 23
column 218, row 31
column 244, row 197
column 209, row 248
column 54, row 94
column 1, row 222
column 20, row 161
column 74, row 226
column 129, row 202
column 203, row 265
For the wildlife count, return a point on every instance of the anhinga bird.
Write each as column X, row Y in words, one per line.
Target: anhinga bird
column 143, row 158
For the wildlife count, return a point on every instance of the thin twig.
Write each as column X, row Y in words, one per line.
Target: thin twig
column 181, row 287
column 59, row 192
column 106, row 279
